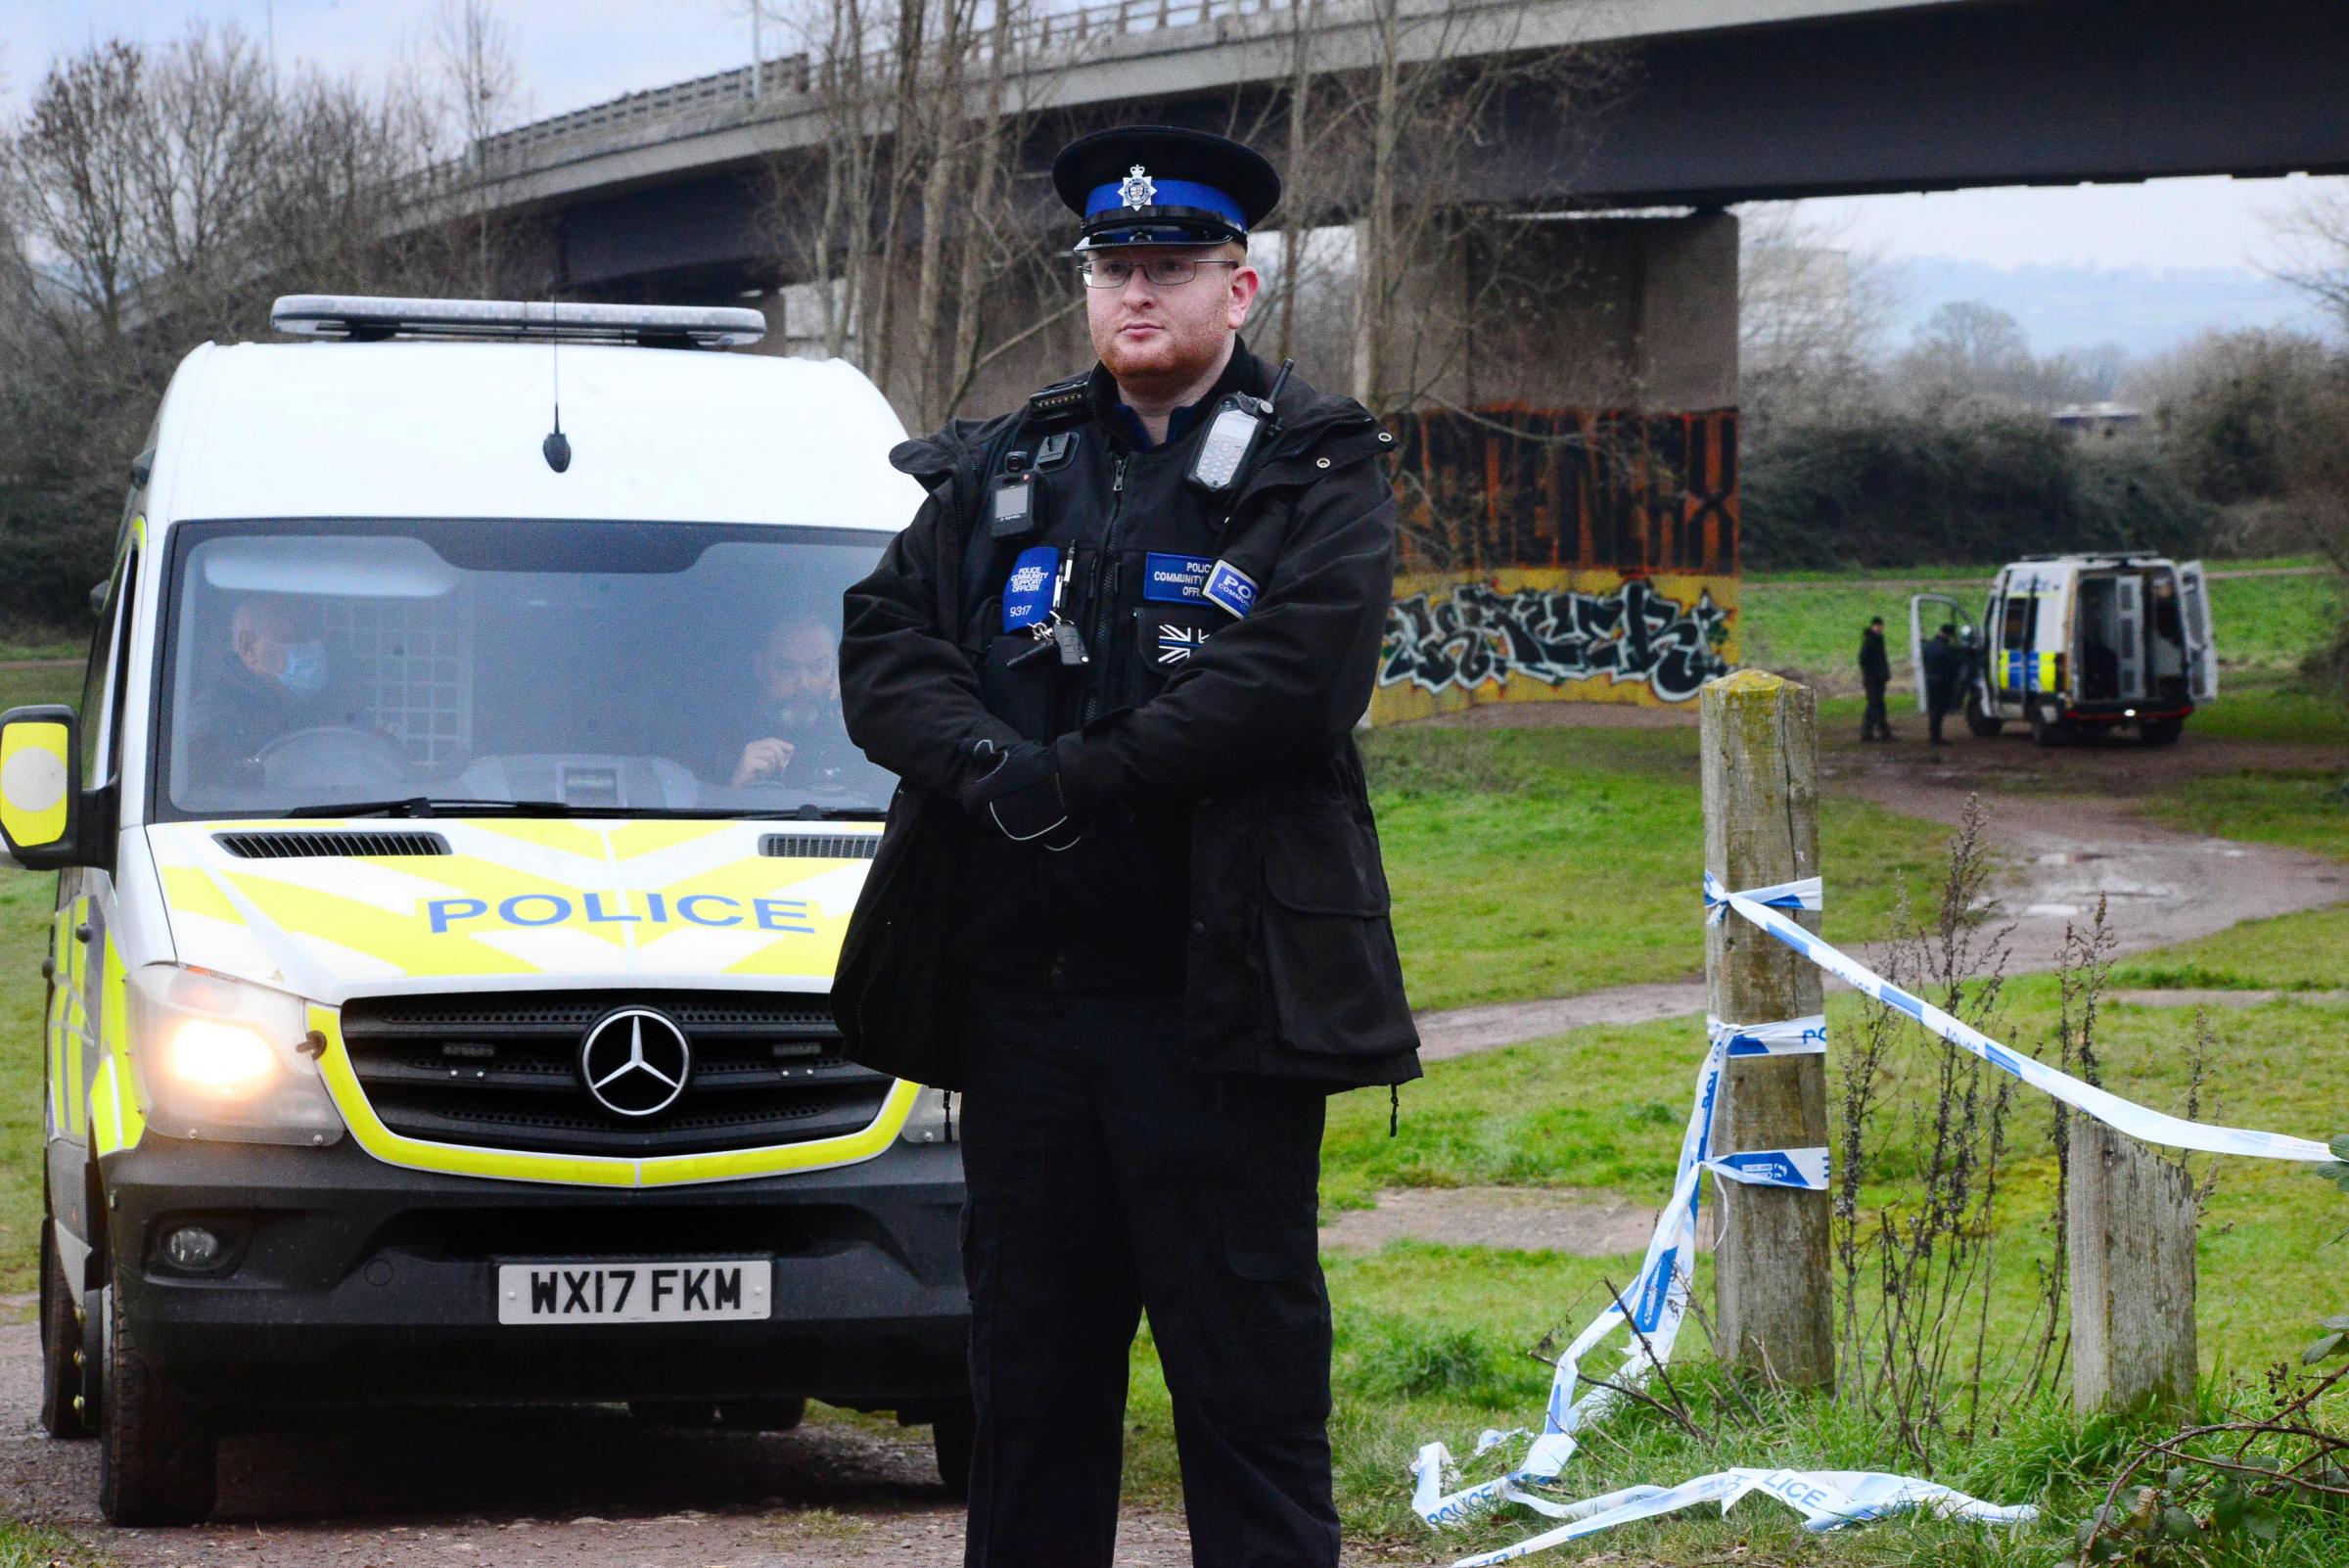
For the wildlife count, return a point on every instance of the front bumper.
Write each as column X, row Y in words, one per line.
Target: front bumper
column 351, row 1282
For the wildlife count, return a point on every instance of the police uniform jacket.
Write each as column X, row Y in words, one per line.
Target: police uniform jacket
column 1210, row 753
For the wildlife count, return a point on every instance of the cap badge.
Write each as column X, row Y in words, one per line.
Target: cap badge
column 1138, row 190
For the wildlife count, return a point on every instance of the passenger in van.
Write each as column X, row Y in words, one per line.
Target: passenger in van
column 275, row 678
column 796, row 670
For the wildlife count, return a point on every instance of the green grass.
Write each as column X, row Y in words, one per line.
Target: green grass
column 23, row 1546
column 1546, row 862
column 2306, row 951
column 2307, row 809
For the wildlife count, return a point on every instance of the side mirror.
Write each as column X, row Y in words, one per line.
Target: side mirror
column 40, row 794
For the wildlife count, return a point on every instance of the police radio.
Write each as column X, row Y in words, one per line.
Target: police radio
column 1239, row 428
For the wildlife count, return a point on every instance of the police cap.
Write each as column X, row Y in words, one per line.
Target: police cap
column 1162, row 185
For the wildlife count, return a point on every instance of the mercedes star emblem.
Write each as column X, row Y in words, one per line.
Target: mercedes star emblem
column 635, row 1062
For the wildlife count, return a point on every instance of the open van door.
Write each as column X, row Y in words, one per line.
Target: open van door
column 1947, row 610
column 2201, row 652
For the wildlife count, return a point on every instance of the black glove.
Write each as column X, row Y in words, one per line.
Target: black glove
column 1020, row 793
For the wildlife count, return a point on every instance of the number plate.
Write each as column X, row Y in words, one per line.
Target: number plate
column 696, row 1292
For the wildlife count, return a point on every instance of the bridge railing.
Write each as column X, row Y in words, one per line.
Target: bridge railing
column 741, row 90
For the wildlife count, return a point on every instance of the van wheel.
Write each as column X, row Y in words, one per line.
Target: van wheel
column 952, row 1436
column 2046, row 730
column 156, row 1455
column 64, row 1411
column 1978, row 723
column 2161, row 731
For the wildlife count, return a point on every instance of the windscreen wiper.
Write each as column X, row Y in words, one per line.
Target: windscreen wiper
column 435, row 805
column 824, row 813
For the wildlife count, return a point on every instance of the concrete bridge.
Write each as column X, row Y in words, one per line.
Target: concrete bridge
column 1728, row 101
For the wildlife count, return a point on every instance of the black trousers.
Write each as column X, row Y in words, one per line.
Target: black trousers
column 1109, row 1177
column 1874, row 721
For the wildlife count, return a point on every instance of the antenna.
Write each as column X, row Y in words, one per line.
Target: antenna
column 557, row 446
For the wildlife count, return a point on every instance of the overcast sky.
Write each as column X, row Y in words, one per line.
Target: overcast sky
column 577, row 52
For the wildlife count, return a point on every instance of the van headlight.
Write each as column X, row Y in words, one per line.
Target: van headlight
column 217, row 1058
column 931, row 1119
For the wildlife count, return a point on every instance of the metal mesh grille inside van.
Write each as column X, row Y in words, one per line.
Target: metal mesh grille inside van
column 503, row 1072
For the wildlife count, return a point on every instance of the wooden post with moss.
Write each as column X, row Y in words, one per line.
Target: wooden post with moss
column 2130, row 1218
column 1760, row 792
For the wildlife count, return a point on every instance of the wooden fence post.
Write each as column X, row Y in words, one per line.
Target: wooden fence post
column 2130, row 1233
column 1761, row 793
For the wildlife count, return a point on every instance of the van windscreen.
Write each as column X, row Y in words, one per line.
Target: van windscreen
column 603, row 669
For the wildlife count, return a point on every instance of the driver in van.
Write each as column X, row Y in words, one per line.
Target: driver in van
column 797, row 669
column 277, row 681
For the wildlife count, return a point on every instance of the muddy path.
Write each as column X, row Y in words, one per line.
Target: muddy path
column 2068, row 824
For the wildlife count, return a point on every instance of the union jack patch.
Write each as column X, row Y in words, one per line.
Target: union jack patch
column 1177, row 643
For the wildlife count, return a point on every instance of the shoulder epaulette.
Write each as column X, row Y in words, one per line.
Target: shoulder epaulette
column 1063, row 400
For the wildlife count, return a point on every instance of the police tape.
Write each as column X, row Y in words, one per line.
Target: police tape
column 1658, row 1301
column 1651, row 1312
column 1825, row 1498
column 2126, row 1116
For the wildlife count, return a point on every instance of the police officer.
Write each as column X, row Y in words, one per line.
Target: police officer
column 1130, row 899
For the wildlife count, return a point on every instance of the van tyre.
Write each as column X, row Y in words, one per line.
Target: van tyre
column 952, row 1436
column 2161, row 731
column 156, row 1455
column 62, row 1382
column 1978, row 723
column 2046, row 730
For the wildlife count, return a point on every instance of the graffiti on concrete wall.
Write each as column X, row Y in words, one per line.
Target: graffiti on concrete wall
column 1541, row 635
column 1560, row 555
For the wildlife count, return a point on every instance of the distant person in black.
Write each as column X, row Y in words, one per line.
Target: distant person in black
column 1875, row 673
column 1945, row 678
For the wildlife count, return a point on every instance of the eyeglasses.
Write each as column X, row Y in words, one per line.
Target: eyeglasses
column 1162, row 271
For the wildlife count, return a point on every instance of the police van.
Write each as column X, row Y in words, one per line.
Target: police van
column 454, row 840
column 2078, row 645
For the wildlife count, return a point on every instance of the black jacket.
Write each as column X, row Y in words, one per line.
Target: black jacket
column 1944, row 670
column 1876, row 668
column 1246, row 741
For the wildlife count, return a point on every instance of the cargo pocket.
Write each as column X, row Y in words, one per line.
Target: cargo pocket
column 1330, row 954
column 1276, row 1352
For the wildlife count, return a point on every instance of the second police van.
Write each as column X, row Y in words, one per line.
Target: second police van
column 455, row 839
column 2076, row 645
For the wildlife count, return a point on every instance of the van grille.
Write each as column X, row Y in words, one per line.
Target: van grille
column 503, row 1072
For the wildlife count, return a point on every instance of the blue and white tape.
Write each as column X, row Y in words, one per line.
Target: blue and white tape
column 1795, row 1037
column 1803, row 893
column 1825, row 1498
column 2127, row 1116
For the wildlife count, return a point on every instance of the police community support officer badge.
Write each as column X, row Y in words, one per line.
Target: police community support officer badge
column 1137, row 190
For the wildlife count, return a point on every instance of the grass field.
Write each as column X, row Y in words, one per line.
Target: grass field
column 1546, row 862
column 1809, row 623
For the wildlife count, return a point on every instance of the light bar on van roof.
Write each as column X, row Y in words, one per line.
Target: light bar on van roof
column 369, row 318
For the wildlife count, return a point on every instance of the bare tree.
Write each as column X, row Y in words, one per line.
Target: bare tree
column 150, row 198
column 906, row 227
column 1812, row 307
column 472, row 59
column 2314, row 248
